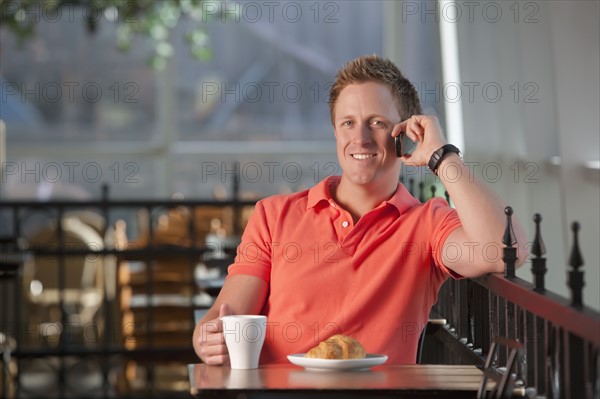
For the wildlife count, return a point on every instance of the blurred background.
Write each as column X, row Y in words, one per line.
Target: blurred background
column 160, row 100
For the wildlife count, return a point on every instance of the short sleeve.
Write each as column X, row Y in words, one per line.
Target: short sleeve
column 444, row 221
column 254, row 252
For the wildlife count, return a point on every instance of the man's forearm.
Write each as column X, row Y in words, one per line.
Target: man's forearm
column 480, row 210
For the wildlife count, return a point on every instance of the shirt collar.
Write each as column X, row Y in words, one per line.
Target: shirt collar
column 321, row 192
column 401, row 199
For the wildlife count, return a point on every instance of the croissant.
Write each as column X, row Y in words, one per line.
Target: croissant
column 338, row 347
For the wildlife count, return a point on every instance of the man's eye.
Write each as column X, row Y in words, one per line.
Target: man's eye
column 347, row 123
column 378, row 123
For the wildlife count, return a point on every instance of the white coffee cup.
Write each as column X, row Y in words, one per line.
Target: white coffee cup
column 244, row 337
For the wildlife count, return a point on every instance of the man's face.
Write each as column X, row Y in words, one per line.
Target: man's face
column 365, row 114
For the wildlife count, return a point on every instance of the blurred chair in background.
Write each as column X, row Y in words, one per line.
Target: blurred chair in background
column 83, row 279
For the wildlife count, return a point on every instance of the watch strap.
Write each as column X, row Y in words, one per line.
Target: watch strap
column 439, row 154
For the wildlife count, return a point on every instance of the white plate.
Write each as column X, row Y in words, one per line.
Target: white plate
column 337, row 364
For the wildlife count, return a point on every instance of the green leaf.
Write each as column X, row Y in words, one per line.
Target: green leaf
column 153, row 19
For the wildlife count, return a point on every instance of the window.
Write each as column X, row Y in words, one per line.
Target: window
column 80, row 113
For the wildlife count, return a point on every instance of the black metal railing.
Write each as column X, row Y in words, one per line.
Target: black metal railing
column 561, row 338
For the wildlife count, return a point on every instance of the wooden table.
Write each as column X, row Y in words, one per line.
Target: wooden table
column 289, row 381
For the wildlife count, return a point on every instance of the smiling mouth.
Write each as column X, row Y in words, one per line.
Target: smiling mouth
column 363, row 156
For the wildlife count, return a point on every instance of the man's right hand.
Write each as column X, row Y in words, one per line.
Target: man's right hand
column 212, row 346
column 245, row 294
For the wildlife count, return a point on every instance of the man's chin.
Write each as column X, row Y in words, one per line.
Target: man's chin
column 361, row 180
column 367, row 180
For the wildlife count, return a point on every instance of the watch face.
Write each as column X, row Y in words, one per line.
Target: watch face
column 440, row 153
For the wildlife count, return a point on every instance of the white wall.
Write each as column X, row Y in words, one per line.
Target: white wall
column 576, row 33
column 545, row 58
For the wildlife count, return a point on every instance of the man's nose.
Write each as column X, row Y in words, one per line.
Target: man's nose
column 363, row 134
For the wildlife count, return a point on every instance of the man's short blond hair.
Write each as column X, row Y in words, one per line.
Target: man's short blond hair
column 372, row 68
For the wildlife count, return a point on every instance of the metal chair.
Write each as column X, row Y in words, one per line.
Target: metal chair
column 504, row 383
column 81, row 290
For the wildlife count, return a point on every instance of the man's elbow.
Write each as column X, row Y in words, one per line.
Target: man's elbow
column 480, row 268
column 486, row 266
column 480, row 264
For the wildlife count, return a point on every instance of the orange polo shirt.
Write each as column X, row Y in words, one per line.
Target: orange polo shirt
column 376, row 280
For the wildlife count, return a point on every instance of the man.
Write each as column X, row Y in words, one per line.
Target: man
column 357, row 254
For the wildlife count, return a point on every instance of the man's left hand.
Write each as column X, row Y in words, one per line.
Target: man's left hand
column 425, row 131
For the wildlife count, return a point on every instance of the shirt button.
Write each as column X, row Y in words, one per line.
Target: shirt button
column 345, row 224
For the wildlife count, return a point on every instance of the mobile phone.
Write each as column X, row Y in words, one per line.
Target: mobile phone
column 398, row 145
column 403, row 144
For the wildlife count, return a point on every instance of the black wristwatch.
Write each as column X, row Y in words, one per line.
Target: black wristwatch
column 439, row 154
